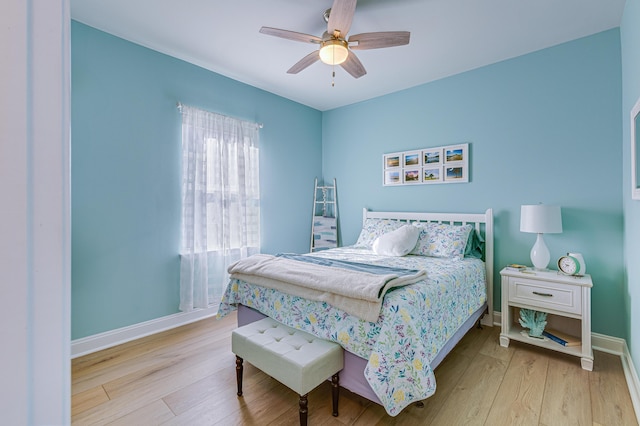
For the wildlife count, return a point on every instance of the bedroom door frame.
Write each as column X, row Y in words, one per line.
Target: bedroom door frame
column 35, row 247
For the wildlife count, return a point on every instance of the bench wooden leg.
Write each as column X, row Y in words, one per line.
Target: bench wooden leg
column 335, row 390
column 239, row 369
column 303, row 410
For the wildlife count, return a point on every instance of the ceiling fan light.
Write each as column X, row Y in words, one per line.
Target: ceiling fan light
column 334, row 52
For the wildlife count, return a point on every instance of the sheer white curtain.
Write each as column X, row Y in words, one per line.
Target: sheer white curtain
column 220, row 202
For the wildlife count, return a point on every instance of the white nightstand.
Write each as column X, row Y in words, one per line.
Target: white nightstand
column 566, row 299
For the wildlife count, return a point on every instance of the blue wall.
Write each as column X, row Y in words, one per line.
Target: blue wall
column 630, row 40
column 126, row 174
column 544, row 127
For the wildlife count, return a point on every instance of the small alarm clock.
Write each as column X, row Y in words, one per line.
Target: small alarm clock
column 572, row 264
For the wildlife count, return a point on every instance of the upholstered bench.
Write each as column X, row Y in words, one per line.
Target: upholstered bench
column 296, row 359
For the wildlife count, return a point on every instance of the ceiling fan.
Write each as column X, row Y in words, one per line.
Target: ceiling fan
column 335, row 48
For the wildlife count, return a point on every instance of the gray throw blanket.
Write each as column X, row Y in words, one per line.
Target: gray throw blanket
column 355, row 292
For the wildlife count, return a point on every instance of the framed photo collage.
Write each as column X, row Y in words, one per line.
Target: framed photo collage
column 442, row 164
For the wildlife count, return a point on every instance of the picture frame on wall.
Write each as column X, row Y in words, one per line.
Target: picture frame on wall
column 393, row 176
column 455, row 154
column 432, row 174
column 412, row 159
column 440, row 164
column 635, row 150
column 455, row 174
column 412, row 175
column 392, row 160
column 456, row 163
column 431, row 157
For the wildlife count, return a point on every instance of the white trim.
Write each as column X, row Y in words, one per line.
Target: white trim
column 631, row 374
column 615, row 346
column 35, row 276
column 97, row 342
column 635, row 190
column 608, row 344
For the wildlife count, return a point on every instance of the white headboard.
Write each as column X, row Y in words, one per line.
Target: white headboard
column 482, row 223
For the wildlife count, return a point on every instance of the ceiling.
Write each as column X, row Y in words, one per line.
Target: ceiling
column 447, row 37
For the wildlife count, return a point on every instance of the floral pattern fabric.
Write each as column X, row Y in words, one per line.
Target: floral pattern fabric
column 442, row 240
column 373, row 228
column 414, row 324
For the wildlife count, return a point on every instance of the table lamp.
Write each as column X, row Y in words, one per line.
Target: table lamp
column 540, row 219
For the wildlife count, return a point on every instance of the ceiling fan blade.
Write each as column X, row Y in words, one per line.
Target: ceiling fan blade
column 341, row 16
column 353, row 66
column 291, row 35
column 379, row 40
column 304, row 62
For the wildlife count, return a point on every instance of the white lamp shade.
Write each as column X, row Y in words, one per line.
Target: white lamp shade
column 540, row 219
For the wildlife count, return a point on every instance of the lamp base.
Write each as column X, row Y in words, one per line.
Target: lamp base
column 540, row 255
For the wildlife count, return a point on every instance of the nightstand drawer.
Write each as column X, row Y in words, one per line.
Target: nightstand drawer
column 549, row 295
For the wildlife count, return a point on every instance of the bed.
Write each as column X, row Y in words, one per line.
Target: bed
column 391, row 360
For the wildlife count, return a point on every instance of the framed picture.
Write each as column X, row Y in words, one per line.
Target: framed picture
column 393, row 177
column 431, row 174
column 392, row 160
column 635, row 151
column 431, row 157
column 412, row 159
column 455, row 174
column 440, row 164
column 455, row 153
column 412, row 175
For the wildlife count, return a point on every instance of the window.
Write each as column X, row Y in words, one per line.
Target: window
column 234, row 194
column 220, row 202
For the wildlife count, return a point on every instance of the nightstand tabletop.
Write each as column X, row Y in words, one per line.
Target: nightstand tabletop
column 550, row 275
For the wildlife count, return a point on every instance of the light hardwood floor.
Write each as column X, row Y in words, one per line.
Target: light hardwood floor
column 186, row 376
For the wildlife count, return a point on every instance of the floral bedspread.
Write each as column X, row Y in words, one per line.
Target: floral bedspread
column 414, row 324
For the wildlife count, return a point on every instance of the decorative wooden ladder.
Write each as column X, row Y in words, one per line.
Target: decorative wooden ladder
column 324, row 225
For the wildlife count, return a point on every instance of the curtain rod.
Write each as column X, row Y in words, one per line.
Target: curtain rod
column 179, row 105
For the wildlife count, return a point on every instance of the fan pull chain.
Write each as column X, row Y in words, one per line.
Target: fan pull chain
column 333, row 69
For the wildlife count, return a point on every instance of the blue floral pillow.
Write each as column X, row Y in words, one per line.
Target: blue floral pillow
column 373, row 228
column 442, row 240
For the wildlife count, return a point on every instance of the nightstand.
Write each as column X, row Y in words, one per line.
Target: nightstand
column 566, row 299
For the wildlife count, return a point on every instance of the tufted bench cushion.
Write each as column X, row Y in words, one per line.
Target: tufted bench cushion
column 295, row 358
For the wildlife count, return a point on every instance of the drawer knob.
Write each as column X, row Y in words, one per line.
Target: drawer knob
column 537, row 293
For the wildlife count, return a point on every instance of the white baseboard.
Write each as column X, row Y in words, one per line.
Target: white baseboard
column 97, row 342
column 615, row 346
column 632, row 380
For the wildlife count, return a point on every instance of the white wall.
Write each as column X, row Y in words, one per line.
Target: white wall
column 34, row 217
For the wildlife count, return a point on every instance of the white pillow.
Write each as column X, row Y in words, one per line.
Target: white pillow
column 398, row 242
